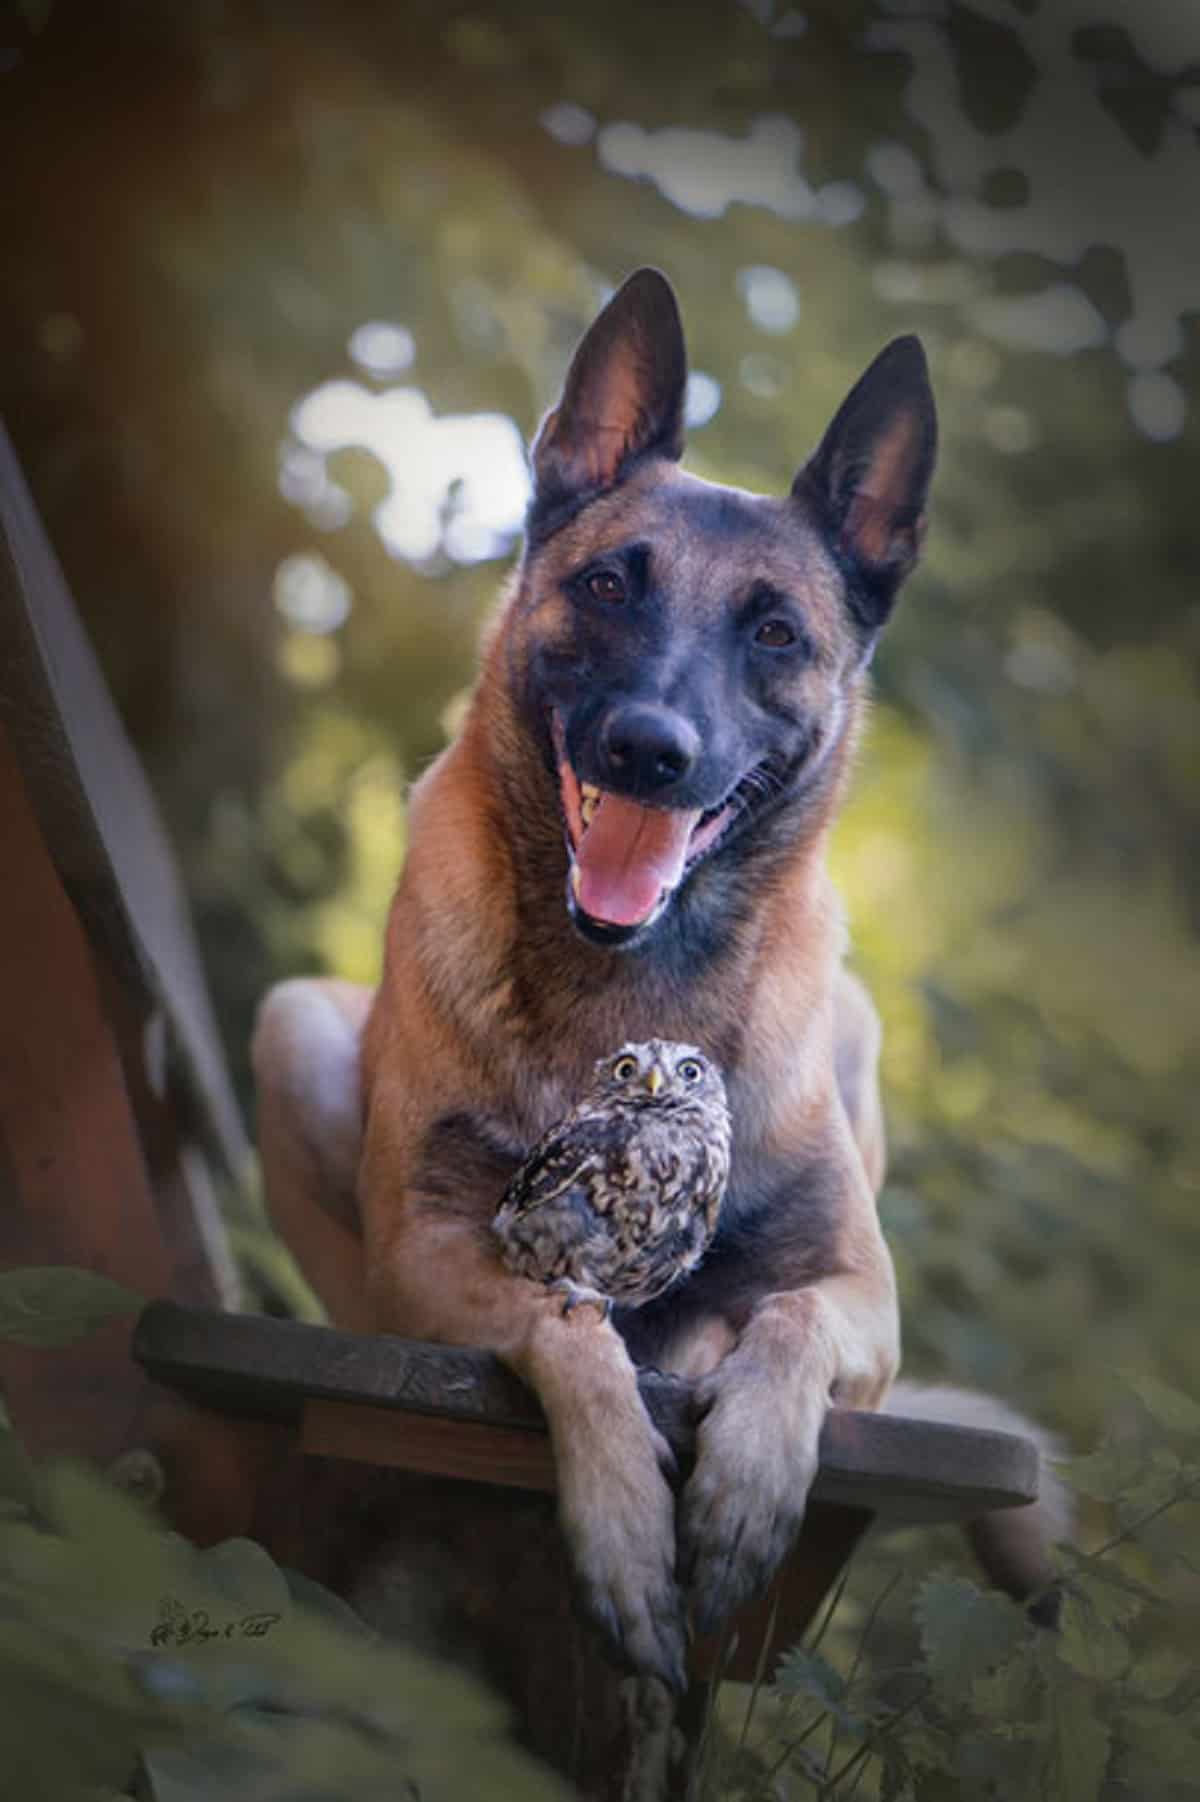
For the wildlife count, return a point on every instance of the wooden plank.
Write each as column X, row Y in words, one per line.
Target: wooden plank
column 78, row 1192
column 95, row 809
column 514, row 1457
column 901, row 1470
column 249, row 1363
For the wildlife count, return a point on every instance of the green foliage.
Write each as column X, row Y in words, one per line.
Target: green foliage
column 971, row 1702
column 966, row 1634
column 56, row 1304
column 805, row 1673
column 133, row 1665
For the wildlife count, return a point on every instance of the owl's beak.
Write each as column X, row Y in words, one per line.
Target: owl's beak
column 654, row 1079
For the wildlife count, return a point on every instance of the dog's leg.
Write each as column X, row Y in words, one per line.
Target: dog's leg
column 306, row 1065
column 440, row 1275
column 836, row 1340
column 434, row 1274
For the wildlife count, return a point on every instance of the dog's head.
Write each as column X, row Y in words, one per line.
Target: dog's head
column 687, row 655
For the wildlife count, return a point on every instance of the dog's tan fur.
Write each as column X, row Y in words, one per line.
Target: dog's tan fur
column 389, row 1122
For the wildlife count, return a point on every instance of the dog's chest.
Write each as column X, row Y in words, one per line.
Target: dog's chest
column 779, row 1228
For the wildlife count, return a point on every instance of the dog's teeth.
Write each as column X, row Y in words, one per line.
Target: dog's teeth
column 575, row 879
column 587, row 808
column 589, row 791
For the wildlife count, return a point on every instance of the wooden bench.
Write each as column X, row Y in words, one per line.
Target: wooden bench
column 361, row 1461
column 453, row 1412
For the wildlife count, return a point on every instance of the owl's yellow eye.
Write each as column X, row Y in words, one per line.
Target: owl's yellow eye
column 625, row 1068
column 690, row 1070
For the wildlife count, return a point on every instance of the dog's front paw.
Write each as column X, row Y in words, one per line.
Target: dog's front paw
column 742, row 1509
column 618, row 1513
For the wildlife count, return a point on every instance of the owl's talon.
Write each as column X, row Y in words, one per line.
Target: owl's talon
column 574, row 1294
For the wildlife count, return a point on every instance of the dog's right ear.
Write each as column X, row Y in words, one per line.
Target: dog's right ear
column 622, row 400
column 869, row 478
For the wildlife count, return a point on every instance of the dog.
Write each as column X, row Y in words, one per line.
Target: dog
column 625, row 841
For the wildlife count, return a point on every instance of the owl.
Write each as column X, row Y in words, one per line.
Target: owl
column 620, row 1199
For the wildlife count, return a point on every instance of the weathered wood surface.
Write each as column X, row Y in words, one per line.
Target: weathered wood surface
column 89, row 1176
column 389, row 1401
column 96, row 813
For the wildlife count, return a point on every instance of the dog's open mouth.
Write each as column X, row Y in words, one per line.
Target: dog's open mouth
column 628, row 859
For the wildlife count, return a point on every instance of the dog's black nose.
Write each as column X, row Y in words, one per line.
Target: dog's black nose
column 645, row 749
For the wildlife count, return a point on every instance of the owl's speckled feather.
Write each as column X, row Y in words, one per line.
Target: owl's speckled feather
column 621, row 1197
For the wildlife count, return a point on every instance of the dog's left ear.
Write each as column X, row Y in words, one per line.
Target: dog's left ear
column 623, row 399
column 870, row 475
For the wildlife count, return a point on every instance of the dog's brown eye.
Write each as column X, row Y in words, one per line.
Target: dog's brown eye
column 605, row 586
column 776, row 634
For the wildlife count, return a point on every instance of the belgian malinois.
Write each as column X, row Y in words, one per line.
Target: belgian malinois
column 627, row 841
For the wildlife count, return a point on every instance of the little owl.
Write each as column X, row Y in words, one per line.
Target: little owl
column 620, row 1198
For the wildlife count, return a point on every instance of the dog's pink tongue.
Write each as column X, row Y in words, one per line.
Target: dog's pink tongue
column 628, row 856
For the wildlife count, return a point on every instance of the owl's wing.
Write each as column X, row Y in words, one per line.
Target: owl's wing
column 571, row 1152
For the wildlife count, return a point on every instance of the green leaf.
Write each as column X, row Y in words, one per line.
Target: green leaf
column 1079, row 1743
column 1110, row 1472
column 1171, row 1408
column 966, row 1633
column 924, row 1745
column 18, row 1482
column 241, row 1571
column 939, row 1786
column 991, row 1765
column 100, row 1518
column 107, row 1561
column 803, row 1673
column 1131, row 1477
column 1111, row 1591
column 51, row 1656
column 65, row 1723
column 56, row 1304
column 1164, row 1741
column 199, row 1772
column 1089, row 1643
column 1009, row 1694
column 321, row 1601
column 1157, row 1674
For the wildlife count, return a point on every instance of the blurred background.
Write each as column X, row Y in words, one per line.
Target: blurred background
column 287, row 286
